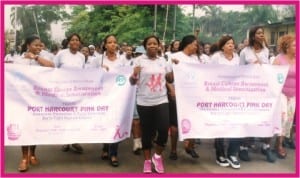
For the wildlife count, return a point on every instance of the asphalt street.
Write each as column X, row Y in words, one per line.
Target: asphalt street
column 53, row 160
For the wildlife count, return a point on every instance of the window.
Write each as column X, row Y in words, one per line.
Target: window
column 281, row 34
column 272, row 38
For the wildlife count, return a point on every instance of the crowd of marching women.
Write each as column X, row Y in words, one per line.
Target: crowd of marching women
column 155, row 115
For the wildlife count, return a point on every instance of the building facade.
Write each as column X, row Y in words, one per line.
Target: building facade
column 275, row 30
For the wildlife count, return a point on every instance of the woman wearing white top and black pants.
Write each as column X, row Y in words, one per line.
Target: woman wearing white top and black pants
column 151, row 73
column 256, row 52
column 187, row 54
column 227, row 56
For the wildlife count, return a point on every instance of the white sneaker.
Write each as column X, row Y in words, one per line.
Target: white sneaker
column 140, row 144
column 137, row 144
column 234, row 162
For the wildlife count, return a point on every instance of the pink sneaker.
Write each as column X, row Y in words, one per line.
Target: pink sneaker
column 147, row 166
column 158, row 164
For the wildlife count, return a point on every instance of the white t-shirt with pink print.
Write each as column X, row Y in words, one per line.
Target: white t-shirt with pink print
column 151, row 86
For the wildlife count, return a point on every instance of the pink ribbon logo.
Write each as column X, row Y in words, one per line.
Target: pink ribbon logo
column 185, row 126
column 119, row 134
column 13, row 131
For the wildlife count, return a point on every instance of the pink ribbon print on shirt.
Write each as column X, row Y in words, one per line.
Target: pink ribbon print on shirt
column 155, row 83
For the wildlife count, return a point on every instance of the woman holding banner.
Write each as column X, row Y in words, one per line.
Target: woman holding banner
column 111, row 60
column 287, row 56
column 188, row 54
column 256, row 52
column 136, row 126
column 71, row 58
column 151, row 73
column 226, row 56
column 31, row 50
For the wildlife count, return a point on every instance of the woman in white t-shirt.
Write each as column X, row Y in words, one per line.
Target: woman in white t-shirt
column 174, row 47
column 90, row 61
column 31, row 50
column 226, row 56
column 128, row 56
column 150, row 74
column 256, row 52
column 187, row 54
column 204, row 58
column 111, row 60
column 11, row 57
column 71, row 58
column 31, row 53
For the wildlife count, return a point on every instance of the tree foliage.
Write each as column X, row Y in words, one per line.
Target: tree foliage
column 130, row 24
column 259, row 15
column 287, row 11
column 133, row 23
column 217, row 22
column 36, row 20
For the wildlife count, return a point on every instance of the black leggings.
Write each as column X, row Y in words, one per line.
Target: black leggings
column 154, row 119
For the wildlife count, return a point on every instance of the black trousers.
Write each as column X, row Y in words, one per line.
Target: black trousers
column 154, row 120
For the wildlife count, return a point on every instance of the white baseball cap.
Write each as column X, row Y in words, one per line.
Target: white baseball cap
column 92, row 46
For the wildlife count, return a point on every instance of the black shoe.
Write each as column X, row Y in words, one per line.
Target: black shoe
column 269, row 155
column 77, row 148
column 285, row 142
column 104, row 155
column 173, row 156
column 244, row 155
column 223, row 162
column 289, row 143
column 114, row 163
column 137, row 151
column 192, row 153
column 65, row 148
column 292, row 145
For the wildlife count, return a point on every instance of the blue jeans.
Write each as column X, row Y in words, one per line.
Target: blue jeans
column 111, row 148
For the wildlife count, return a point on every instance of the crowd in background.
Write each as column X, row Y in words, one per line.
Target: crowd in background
column 155, row 116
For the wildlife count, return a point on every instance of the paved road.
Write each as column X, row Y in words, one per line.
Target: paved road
column 53, row 160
